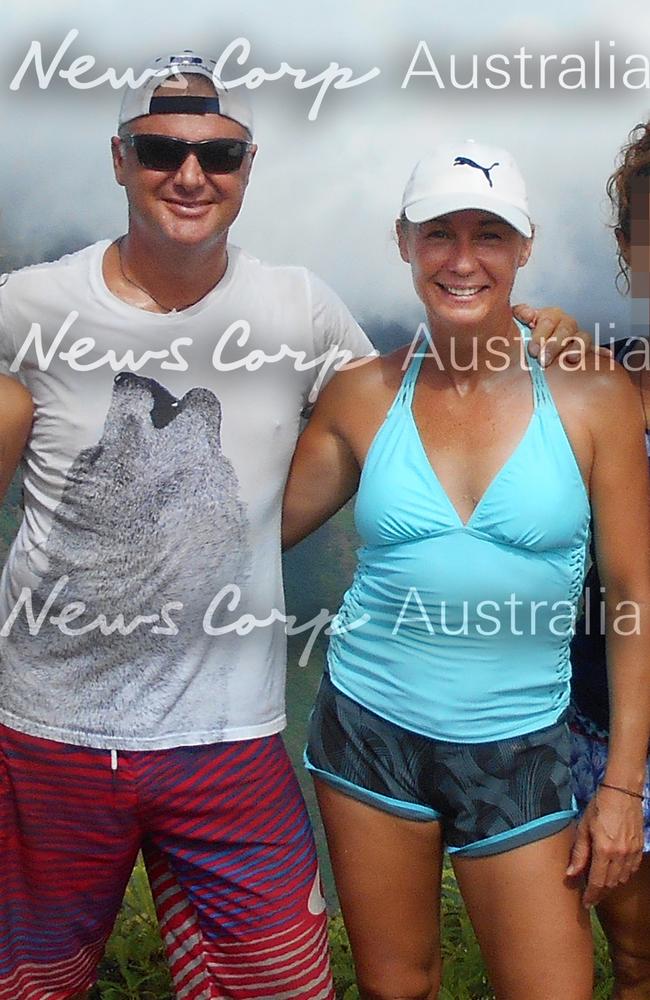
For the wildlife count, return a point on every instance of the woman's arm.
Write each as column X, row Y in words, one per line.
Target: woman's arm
column 16, row 414
column 611, row 829
column 324, row 473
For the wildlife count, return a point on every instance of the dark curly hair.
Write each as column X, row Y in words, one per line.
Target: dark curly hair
column 634, row 163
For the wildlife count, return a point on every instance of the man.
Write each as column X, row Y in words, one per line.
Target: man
column 142, row 665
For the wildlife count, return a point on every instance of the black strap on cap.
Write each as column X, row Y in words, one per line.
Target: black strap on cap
column 184, row 106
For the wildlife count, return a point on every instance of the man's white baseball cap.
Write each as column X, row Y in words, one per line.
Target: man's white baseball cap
column 465, row 175
column 139, row 101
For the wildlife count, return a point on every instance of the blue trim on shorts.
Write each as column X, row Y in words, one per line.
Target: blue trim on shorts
column 407, row 810
column 520, row 834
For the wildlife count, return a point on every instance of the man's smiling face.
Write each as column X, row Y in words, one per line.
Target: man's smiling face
column 189, row 205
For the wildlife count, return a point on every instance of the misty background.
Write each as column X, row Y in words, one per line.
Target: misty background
column 325, row 193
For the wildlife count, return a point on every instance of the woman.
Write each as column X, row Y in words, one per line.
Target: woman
column 625, row 912
column 442, row 720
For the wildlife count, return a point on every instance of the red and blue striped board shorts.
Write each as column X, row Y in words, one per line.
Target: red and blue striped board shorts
column 227, row 844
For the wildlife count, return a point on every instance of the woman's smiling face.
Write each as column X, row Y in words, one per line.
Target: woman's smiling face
column 463, row 264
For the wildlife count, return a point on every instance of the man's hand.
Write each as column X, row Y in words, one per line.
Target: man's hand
column 609, row 843
column 555, row 334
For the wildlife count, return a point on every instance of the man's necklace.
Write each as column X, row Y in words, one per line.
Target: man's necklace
column 167, row 309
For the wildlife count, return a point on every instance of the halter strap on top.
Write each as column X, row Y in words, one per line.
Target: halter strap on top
column 460, row 630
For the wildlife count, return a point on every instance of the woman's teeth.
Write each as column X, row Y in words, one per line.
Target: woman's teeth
column 462, row 293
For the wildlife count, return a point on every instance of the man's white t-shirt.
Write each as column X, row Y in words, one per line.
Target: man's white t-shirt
column 141, row 604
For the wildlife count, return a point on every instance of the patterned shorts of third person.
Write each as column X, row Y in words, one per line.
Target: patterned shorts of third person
column 588, row 763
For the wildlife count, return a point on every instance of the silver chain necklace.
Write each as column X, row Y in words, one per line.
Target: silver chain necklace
column 167, row 309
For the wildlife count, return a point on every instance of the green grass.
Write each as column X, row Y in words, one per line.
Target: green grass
column 134, row 966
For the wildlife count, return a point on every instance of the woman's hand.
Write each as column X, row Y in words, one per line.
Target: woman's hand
column 555, row 334
column 608, row 847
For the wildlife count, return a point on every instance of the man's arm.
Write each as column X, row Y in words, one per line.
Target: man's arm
column 16, row 414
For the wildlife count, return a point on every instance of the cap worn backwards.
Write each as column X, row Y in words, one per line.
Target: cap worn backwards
column 466, row 175
column 142, row 100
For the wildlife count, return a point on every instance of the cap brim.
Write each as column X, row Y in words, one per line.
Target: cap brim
column 433, row 208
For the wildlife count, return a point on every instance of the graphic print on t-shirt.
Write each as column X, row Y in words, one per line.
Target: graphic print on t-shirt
column 140, row 513
column 149, row 528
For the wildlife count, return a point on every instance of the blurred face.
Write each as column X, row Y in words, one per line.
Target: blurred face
column 187, row 206
column 464, row 265
column 637, row 251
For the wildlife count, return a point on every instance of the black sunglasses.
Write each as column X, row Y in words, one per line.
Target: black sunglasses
column 167, row 153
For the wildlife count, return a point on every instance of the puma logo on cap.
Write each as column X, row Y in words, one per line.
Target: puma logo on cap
column 464, row 161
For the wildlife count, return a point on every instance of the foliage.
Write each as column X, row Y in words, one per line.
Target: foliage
column 604, row 977
column 134, row 967
column 342, row 967
column 10, row 515
column 463, row 971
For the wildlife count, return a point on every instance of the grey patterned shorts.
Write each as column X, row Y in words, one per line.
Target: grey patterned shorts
column 489, row 797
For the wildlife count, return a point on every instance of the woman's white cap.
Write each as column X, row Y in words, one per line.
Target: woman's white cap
column 465, row 175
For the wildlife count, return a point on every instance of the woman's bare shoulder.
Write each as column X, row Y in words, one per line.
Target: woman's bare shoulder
column 596, row 379
column 381, row 373
column 360, row 393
